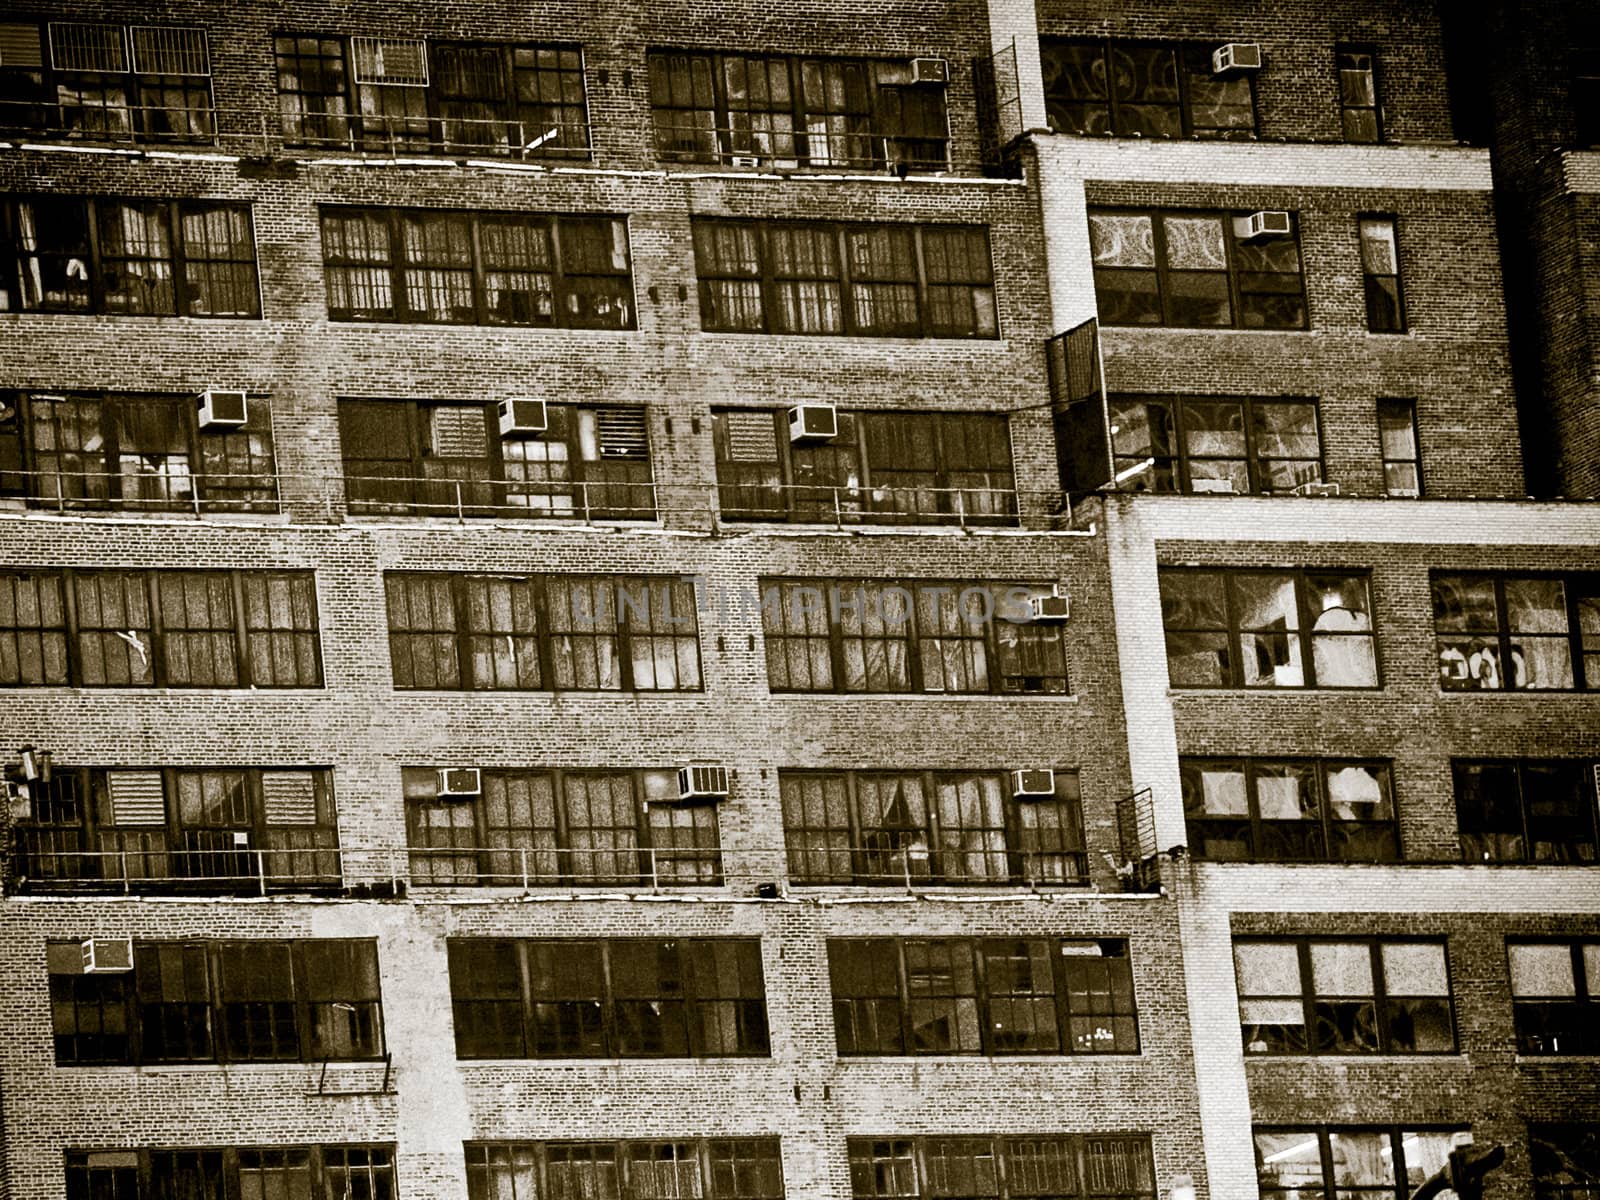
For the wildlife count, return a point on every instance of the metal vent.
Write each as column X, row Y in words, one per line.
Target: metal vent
column 161, row 50
column 137, row 797
column 621, row 433
column 394, row 62
column 752, row 437
column 458, row 431
column 79, row 46
column 290, row 797
column 20, row 46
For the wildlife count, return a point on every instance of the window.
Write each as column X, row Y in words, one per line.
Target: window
column 1566, row 1161
column 991, row 996
column 1533, row 632
column 132, row 452
column 444, row 459
column 216, row 629
column 542, row 633
column 786, row 111
column 1194, row 269
column 1380, row 273
column 452, row 268
column 522, row 100
column 1215, row 444
column 280, row 1172
column 305, row 1001
column 186, row 258
column 1042, row 1166
column 621, row 998
column 852, row 279
column 1289, row 810
column 1360, row 116
column 689, row 1169
column 1584, row 63
column 113, row 83
column 188, row 829
column 533, row 827
column 1378, row 1163
column 1268, row 629
column 1397, row 436
column 882, row 468
column 1160, row 91
column 1525, row 811
column 876, row 635
column 929, row 827
column 1555, row 992
column 1354, row 996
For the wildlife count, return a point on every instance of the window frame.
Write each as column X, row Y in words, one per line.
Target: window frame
column 99, row 262
column 318, row 1159
column 566, row 294
column 1325, row 824
column 865, row 1154
column 714, row 1158
column 1527, row 804
column 1394, row 405
column 143, row 584
column 1577, row 588
column 1184, row 103
column 1585, row 999
column 1340, row 50
column 1395, row 1135
column 1372, row 280
column 1181, row 461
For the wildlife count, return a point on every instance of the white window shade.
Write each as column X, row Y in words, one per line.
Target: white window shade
column 393, row 62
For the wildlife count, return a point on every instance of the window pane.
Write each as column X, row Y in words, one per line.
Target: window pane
column 1541, row 970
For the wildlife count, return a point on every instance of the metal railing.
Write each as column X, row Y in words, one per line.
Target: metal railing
column 894, row 862
column 585, row 500
column 241, row 870
column 175, row 486
column 783, row 146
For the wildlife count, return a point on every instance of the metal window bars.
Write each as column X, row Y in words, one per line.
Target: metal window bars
column 170, row 50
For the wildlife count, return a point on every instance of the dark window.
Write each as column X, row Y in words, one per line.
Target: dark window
column 187, row 258
column 1585, row 93
column 279, row 1172
column 308, row 1000
column 463, row 98
column 1533, row 632
column 1566, row 1161
column 621, row 998
column 849, row 635
column 1380, row 273
column 992, row 996
column 1195, row 269
column 1397, row 436
column 433, row 267
column 1134, row 90
column 216, row 629
column 446, row 459
column 1355, row 996
column 1290, row 810
column 719, row 1169
column 1525, row 810
column 785, row 111
column 531, row 827
column 929, row 827
column 881, row 468
column 1268, row 629
column 1360, row 115
column 1555, row 993
column 1042, row 1166
column 1216, row 444
column 1378, row 1163
column 856, row 280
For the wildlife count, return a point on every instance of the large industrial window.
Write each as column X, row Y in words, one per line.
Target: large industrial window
column 309, row 1000
column 1350, row 996
column 1525, row 810
column 1290, row 810
column 688, row 1169
column 1555, row 993
column 434, row 267
column 992, row 996
column 1039, row 1166
column 1143, row 90
column 76, row 254
column 1195, row 269
column 852, row 279
column 921, row 827
column 330, row 1172
column 1534, row 632
column 619, row 998
column 1377, row 1163
column 1215, row 444
column 224, row 629
column 1268, row 629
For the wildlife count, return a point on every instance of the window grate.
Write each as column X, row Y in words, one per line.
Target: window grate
column 20, row 46
column 393, row 62
column 137, row 797
column 752, row 437
column 621, row 433
column 79, row 46
column 160, row 50
column 290, row 797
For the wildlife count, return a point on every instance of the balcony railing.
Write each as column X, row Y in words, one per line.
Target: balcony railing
column 156, row 484
column 892, row 863
column 241, row 870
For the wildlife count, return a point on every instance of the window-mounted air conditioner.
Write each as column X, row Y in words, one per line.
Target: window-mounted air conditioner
column 744, row 160
column 223, row 410
column 1269, row 223
column 106, row 956
column 930, row 70
column 813, row 423
column 699, row 781
column 1317, row 488
column 1405, row 493
column 523, row 417
column 1055, row 607
column 1236, row 56
column 460, row 781
column 1033, row 781
column 1223, row 486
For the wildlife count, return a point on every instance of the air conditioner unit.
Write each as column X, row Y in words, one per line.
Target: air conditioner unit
column 1236, row 56
column 1267, row 224
column 1212, row 485
column 1055, row 607
column 930, row 70
column 522, row 417
column 460, row 781
column 106, row 956
column 223, row 410
column 1033, row 781
column 1317, row 488
column 813, row 423
column 700, row 780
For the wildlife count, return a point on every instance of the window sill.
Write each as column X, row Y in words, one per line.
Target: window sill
column 1453, row 1056
column 1053, row 1059
column 145, row 1069
column 1528, row 1060
column 962, row 697
column 872, row 339
column 1272, row 691
column 630, row 1061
